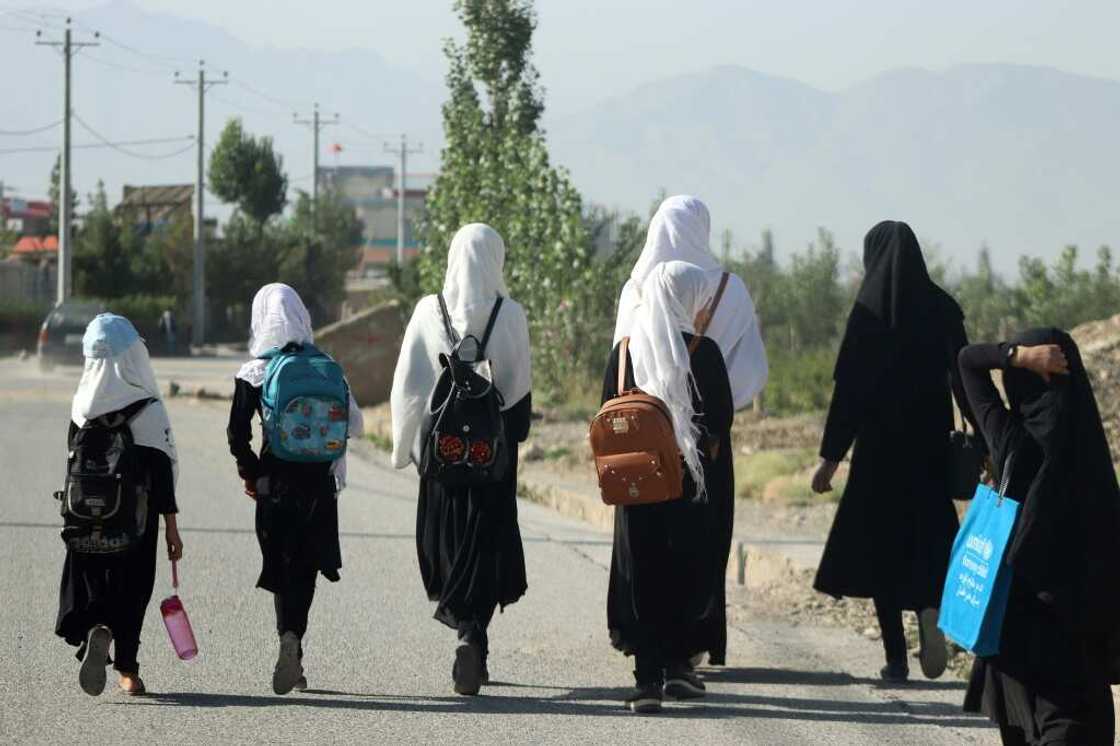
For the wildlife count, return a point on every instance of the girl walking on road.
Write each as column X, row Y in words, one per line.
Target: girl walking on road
column 117, row 420
column 665, row 592
column 894, row 527
column 1060, row 643
column 680, row 230
column 296, row 499
column 467, row 537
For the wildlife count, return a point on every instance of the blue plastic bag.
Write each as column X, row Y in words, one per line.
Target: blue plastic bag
column 978, row 583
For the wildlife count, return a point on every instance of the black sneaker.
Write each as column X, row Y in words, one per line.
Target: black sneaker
column 467, row 671
column 645, row 700
column 91, row 676
column 682, row 683
column 895, row 673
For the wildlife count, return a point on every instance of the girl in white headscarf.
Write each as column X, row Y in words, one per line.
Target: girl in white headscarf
column 103, row 597
column 680, row 230
column 297, row 506
column 666, row 598
column 468, row 540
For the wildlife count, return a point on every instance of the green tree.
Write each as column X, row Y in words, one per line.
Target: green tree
column 315, row 262
column 54, row 194
column 245, row 171
column 495, row 169
column 104, row 252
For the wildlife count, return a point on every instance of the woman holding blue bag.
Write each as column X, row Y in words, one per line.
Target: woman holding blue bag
column 1049, row 683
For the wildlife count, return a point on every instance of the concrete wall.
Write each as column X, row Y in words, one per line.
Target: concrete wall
column 366, row 345
column 23, row 282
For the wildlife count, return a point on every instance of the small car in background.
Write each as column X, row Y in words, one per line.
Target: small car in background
column 60, row 337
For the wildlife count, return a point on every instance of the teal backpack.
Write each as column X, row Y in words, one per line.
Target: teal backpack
column 305, row 405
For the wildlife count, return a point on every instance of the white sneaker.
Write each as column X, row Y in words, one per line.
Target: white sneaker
column 289, row 669
column 91, row 677
column 933, row 653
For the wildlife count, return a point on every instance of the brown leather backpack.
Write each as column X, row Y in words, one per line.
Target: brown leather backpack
column 632, row 438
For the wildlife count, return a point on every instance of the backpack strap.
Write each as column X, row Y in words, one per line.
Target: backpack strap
column 623, row 356
column 489, row 327
column 452, row 335
column 708, row 314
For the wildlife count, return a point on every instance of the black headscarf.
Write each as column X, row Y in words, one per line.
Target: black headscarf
column 1067, row 540
column 898, row 311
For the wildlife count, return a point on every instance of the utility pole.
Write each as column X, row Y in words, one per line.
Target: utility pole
column 402, row 151
column 198, row 284
column 69, row 48
column 316, row 123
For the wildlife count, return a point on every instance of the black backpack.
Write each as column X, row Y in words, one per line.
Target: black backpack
column 464, row 440
column 105, row 500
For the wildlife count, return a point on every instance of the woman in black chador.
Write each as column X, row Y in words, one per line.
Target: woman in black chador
column 467, row 539
column 895, row 524
column 1049, row 684
column 662, row 598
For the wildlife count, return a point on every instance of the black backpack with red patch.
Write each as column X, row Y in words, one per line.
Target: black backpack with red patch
column 464, row 441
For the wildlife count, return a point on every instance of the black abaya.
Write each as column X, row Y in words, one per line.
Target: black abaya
column 666, row 599
column 895, row 524
column 114, row 590
column 469, row 544
column 297, row 507
column 1050, row 678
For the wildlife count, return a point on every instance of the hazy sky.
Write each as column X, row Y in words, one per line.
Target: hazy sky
column 827, row 43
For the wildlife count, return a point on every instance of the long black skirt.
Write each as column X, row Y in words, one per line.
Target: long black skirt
column 469, row 546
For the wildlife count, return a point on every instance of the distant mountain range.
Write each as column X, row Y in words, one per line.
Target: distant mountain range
column 1022, row 158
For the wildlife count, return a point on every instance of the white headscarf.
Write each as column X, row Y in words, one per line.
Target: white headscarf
column 118, row 372
column 280, row 318
column 673, row 293
column 679, row 230
column 473, row 282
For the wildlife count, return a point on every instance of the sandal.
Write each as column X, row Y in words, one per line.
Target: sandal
column 132, row 685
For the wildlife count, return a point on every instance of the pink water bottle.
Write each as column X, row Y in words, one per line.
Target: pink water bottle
column 176, row 621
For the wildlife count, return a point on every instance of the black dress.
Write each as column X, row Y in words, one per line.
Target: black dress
column 115, row 590
column 895, row 524
column 1050, row 678
column 469, row 546
column 667, row 597
column 296, row 516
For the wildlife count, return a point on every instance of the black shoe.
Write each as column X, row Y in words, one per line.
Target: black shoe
column 91, row 676
column 895, row 673
column 485, row 674
column 683, row 683
column 467, row 671
column 934, row 653
column 645, row 700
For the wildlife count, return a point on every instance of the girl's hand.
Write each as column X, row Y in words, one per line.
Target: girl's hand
column 174, row 542
column 251, row 488
column 822, row 480
column 1042, row 360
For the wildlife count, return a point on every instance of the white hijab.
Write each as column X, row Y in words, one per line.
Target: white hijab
column 473, row 282
column 679, row 230
column 118, row 372
column 280, row 318
column 673, row 293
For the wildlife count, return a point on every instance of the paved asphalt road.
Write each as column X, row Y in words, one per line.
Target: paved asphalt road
column 378, row 665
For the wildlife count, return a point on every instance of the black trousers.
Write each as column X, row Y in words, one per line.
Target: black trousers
column 294, row 604
column 474, row 631
column 890, row 624
column 1092, row 724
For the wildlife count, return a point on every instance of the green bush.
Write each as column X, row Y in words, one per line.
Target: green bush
column 19, row 324
column 799, row 382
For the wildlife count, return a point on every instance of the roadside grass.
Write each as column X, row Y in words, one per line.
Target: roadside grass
column 783, row 476
column 382, row 442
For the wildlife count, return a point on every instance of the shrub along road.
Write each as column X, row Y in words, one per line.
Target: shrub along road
column 378, row 665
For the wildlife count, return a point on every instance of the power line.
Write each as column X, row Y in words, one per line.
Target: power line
column 143, row 156
column 316, row 123
column 278, row 101
column 113, row 145
column 124, row 68
column 34, row 131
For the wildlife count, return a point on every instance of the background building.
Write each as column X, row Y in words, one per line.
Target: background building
column 372, row 191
